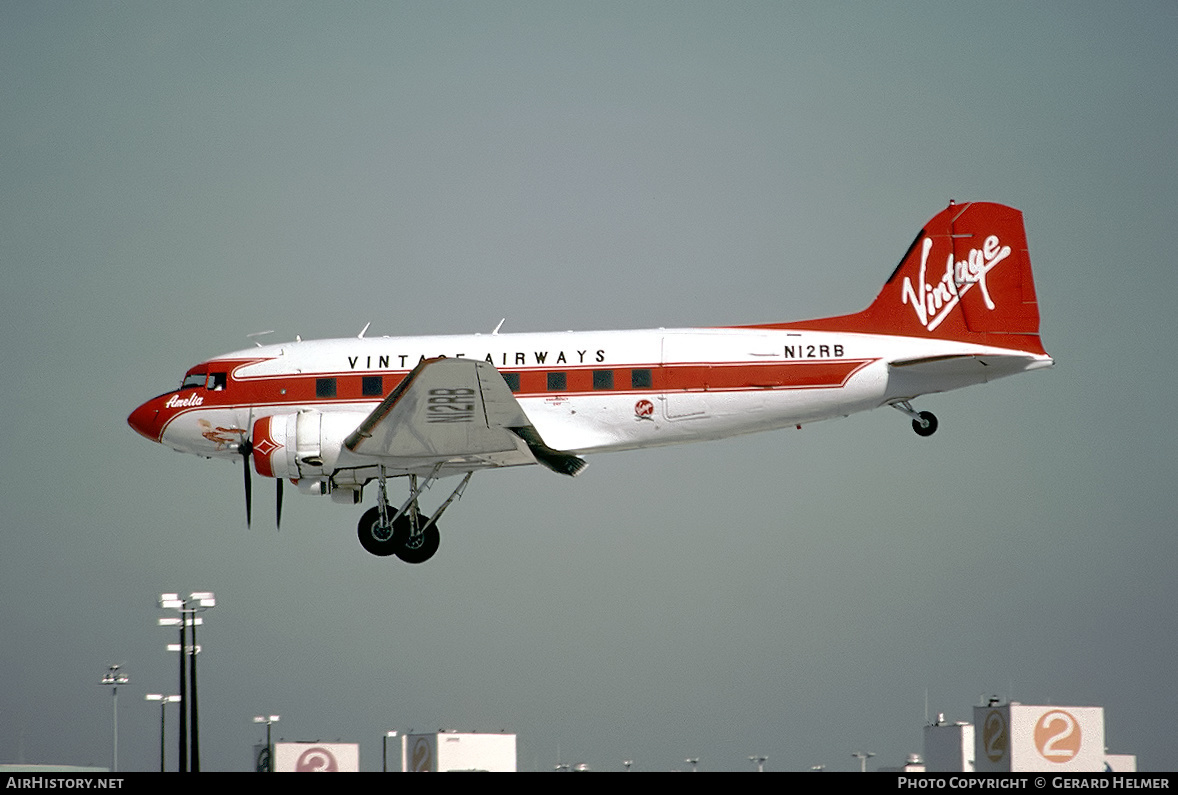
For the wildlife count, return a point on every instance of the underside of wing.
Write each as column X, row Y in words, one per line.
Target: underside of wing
column 458, row 413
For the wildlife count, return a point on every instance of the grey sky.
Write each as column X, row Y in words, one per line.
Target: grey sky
column 176, row 176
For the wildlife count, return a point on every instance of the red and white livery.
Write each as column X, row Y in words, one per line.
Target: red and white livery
column 335, row 415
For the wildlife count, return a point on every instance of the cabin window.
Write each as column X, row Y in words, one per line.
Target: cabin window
column 603, row 379
column 512, row 380
column 557, row 382
column 372, row 386
column 640, row 379
column 324, row 387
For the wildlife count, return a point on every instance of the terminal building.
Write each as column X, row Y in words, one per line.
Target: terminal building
column 1022, row 738
column 437, row 752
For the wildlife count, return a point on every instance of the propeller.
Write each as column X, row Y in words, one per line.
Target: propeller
column 247, row 449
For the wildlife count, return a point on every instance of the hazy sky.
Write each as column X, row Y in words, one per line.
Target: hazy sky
column 175, row 176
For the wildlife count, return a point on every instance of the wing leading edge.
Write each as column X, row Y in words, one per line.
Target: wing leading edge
column 456, row 412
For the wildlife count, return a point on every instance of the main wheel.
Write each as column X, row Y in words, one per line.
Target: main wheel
column 417, row 549
column 376, row 539
column 926, row 425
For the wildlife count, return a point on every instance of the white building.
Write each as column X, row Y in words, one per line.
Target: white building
column 454, row 751
column 949, row 747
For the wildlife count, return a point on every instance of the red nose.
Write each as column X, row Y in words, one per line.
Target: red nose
column 146, row 420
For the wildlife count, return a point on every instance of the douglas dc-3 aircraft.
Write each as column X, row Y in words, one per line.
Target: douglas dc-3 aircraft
column 332, row 416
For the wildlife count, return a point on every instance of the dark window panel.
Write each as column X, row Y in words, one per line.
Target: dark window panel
column 373, row 386
column 603, row 379
column 640, row 379
column 557, row 382
column 325, row 387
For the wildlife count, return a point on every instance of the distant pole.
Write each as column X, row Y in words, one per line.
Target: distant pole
column 114, row 678
column 759, row 761
column 863, row 757
column 694, row 762
column 192, row 712
column 183, row 701
column 164, row 701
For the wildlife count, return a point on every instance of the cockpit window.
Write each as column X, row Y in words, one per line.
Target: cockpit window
column 193, row 379
column 217, row 381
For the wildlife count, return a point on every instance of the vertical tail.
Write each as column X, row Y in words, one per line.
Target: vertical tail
column 966, row 277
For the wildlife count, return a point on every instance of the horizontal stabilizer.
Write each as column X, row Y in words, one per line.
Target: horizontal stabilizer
column 989, row 366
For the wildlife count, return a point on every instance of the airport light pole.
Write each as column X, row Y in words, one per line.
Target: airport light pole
column 384, row 741
column 863, row 757
column 268, row 720
column 759, row 761
column 188, row 608
column 164, row 701
column 694, row 762
column 114, row 678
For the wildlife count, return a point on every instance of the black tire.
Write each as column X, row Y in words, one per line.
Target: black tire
column 926, row 425
column 375, row 539
column 417, row 550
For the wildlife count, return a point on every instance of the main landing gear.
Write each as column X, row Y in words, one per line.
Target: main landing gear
column 408, row 534
column 923, row 422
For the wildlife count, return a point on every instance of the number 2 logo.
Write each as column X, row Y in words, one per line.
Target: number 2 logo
column 994, row 736
column 1057, row 736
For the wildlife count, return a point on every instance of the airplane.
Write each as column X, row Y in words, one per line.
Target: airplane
column 333, row 416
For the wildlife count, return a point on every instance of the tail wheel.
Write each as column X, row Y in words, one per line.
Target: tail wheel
column 375, row 538
column 415, row 549
column 926, row 425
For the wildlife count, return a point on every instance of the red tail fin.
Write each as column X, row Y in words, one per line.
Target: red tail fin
column 966, row 277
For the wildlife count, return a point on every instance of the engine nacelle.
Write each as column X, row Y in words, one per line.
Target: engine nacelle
column 303, row 445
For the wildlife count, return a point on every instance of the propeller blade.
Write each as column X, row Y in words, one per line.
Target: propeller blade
column 246, row 448
column 278, row 503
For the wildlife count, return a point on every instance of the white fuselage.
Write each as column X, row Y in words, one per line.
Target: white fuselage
column 585, row 392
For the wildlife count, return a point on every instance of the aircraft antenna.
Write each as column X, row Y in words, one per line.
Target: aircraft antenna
column 258, row 334
column 495, row 333
column 360, row 336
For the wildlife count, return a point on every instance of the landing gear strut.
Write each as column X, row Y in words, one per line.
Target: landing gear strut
column 406, row 533
column 923, row 422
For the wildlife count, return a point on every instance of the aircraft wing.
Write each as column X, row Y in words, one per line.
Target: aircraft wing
column 456, row 412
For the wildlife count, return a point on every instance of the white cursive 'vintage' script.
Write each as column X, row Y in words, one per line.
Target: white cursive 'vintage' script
column 932, row 303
